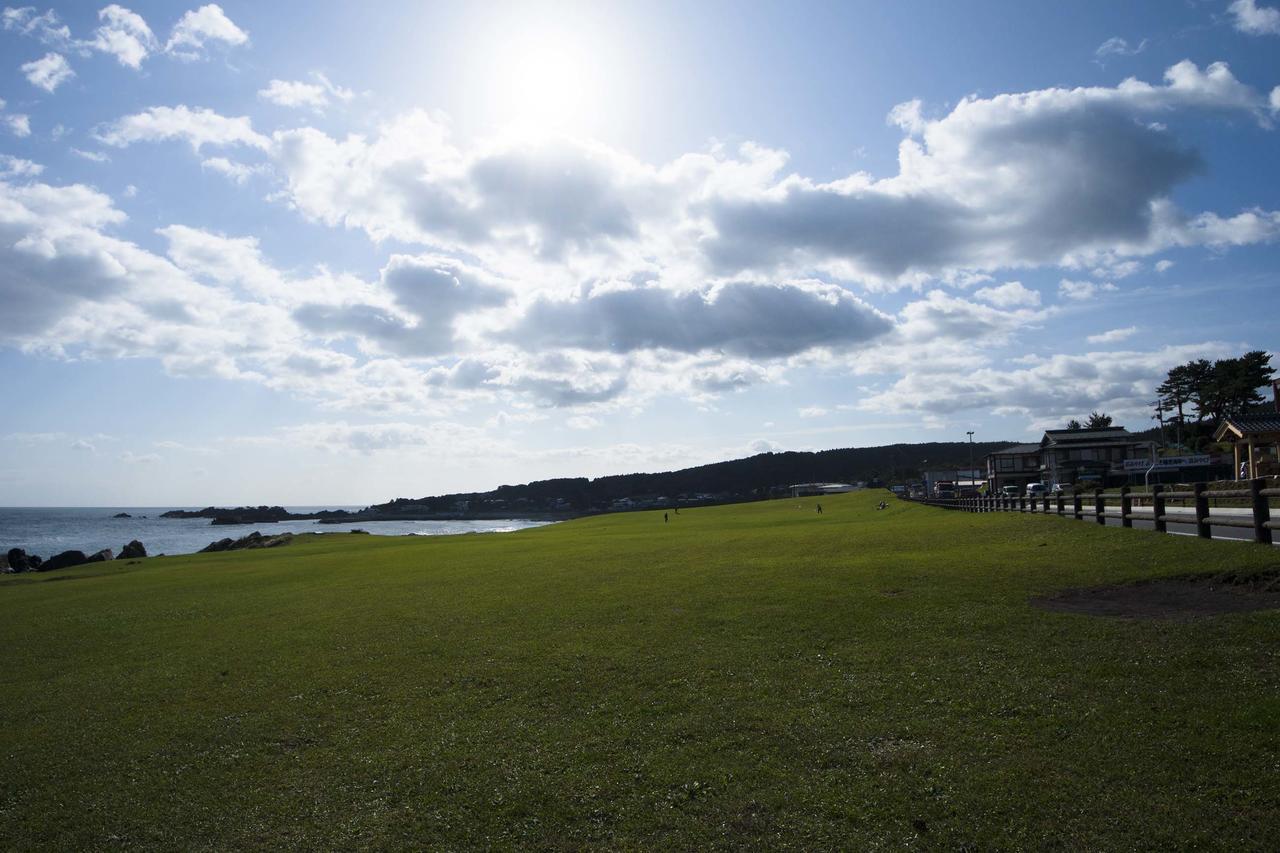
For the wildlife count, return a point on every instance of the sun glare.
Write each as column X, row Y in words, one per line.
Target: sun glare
column 546, row 81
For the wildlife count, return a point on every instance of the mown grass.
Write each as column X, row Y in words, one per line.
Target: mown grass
column 751, row 675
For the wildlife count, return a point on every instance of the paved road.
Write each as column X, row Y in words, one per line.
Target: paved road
column 1242, row 534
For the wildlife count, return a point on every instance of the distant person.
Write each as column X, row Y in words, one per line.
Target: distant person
column 664, row 518
column 819, row 509
column 1244, row 471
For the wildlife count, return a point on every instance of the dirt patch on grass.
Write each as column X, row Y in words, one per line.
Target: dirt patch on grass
column 1186, row 597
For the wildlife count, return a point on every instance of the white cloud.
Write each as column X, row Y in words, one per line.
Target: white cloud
column 19, row 125
column 124, row 35
column 45, row 27
column 81, row 444
column 16, row 167
column 198, row 127
column 92, row 156
column 814, row 412
column 198, row 28
column 742, row 318
column 1048, row 389
column 1113, row 336
column 583, row 422
column 1254, row 19
column 48, row 72
column 1082, row 290
column 131, row 458
column 295, row 93
column 237, row 172
column 1010, row 295
column 1164, row 265
column 1116, row 46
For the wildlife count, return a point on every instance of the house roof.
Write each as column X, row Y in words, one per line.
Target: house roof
column 1239, row 426
column 1016, row 450
column 1058, row 436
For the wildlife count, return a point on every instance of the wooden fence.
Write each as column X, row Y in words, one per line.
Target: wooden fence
column 1098, row 506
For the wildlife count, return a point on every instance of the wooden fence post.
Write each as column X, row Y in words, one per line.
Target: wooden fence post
column 1126, row 507
column 1060, row 501
column 1202, row 512
column 1261, row 512
column 1077, row 510
column 1099, row 507
column 1157, row 508
column 1044, row 504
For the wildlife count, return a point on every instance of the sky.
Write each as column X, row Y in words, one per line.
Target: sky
column 332, row 253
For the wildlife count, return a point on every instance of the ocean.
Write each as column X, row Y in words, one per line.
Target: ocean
column 47, row 531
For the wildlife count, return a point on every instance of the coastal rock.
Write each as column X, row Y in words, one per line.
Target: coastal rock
column 132, row 551
column 122, row 515
column 34, row 562
column 63, row 561
column 100, row 557
column 253, row 540
column 17, row 560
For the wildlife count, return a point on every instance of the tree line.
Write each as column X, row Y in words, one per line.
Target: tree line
column 1203, row 392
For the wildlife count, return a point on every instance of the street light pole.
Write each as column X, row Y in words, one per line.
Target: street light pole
column 970, row 434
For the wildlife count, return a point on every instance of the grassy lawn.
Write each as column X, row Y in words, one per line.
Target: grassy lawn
column 753, row 675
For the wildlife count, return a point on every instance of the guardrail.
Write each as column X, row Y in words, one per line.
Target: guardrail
column 1102, row 505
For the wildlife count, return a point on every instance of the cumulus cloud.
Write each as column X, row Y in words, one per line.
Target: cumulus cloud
column 429, row 292
column 16, row 167
column 1051, row 389
column 1163, row 265
column 200, row 28
column 740, row 318
column 1044, row 177
column 1253, row 19
column 48, row 72
column 295, row 93
column 198, row 127
column 939, row 318
column 1010, row 295
column 19, row 125
column 124, row 35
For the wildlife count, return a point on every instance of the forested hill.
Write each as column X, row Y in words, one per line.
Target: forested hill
column 756, row 476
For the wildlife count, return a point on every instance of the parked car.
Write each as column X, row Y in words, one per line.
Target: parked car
column 1061, row 489
column 1037, row 490
column 1008, row 491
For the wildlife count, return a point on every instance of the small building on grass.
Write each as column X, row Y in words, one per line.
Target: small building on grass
column 1255, row 440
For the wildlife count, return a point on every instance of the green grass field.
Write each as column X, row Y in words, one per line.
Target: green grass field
column 752, row 675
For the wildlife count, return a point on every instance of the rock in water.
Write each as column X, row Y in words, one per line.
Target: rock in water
column 18, row 560
column 132, row 551
column 122, row 515
column 253, row 540
column 62, row 561
column 101, row 557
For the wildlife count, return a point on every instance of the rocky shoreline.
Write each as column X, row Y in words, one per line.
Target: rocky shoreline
column 17, row 560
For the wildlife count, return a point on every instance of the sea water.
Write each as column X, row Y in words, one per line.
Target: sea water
column 47, row 531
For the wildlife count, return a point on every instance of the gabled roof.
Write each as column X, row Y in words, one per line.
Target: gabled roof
column 1059, row 436
column 1239, row 426
column 1016, row 450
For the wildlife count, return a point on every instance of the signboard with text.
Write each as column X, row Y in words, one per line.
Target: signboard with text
column 1167, row 463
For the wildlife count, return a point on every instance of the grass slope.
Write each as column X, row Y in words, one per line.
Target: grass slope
column 752, row 675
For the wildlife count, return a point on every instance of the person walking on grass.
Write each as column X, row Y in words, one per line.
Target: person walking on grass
column 819, row 509
column 665, row 519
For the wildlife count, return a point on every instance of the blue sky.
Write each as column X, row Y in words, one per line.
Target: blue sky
column 305, row 254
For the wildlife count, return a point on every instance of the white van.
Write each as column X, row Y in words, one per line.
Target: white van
column 1037, row 490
